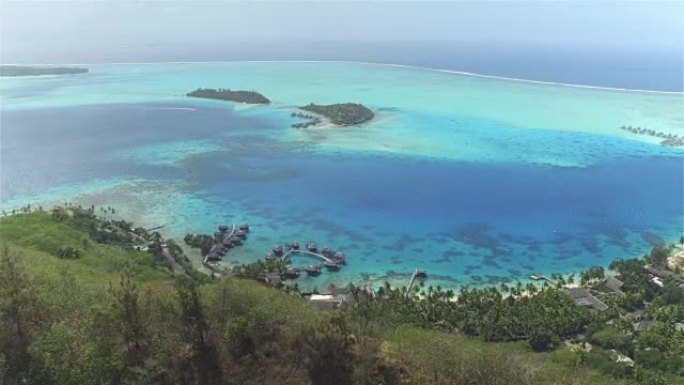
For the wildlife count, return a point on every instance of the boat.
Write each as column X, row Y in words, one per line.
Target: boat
column 538, row 277
column 313, row 269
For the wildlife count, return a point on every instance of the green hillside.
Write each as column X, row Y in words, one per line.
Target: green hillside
column 80, row 304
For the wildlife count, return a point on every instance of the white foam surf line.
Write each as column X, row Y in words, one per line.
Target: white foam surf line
column 408, row 66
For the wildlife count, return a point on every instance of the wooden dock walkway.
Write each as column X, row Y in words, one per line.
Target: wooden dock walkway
column 232, row 231
column 321, row 256
column 413, row 279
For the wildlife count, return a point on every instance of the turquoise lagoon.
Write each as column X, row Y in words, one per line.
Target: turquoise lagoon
column 478, row 180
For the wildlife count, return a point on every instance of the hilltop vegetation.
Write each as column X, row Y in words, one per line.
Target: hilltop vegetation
column 345, row 114
column 249, row 97
column 114, row 310
column 14, row 70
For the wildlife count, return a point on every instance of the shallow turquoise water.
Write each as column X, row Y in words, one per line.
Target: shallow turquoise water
column 476, row 180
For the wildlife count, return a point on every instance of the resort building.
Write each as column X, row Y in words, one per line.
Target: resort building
column 582, row 298
column 613, row 284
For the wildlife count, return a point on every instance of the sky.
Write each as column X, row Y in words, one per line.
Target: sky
column 74, row 31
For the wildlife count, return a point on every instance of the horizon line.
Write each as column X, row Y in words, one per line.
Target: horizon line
column 409, row 66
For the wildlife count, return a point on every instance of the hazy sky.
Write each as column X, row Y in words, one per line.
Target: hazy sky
column 45, row 30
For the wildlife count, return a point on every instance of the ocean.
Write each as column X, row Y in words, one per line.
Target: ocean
column 477, row 180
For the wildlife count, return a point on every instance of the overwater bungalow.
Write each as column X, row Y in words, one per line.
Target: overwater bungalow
column 270, row 257
column 292, row 272
column 326, row 251
column 212, row 257
column 227, row 243
column 236, row 240
column 311, row 246
column 294, row 245
column 223, row 228
column 340, row 258
column 313, row 269
column 331, row 265
column 217, row 234
column 278, row 250
column 240, row 233
column 244, row 227
column 420, row 273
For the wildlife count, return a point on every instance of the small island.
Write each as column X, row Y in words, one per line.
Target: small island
column 670, row 139
column 344, row 114
column 249, row 97
column 15, row 70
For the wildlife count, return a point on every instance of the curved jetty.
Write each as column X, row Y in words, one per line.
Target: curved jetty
column 343, row 114
column 249, row 97
column 330, row 259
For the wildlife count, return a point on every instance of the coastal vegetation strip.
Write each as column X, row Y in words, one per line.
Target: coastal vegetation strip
column 239, row 96
column 15, row 70
column 670, row 140
column 79, row 288
column 343, row 114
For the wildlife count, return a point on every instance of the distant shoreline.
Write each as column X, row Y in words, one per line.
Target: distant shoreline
column 407, row 66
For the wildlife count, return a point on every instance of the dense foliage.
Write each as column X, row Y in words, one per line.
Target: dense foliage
column 249, row 97
column 344, row 114
column 117, row 315
column 200, row 241
column 13, row 70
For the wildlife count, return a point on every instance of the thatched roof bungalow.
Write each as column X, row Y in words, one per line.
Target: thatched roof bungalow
column 583, row 298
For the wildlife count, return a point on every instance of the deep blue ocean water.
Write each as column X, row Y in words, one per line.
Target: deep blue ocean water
column 465, row 222
column 606, row 67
